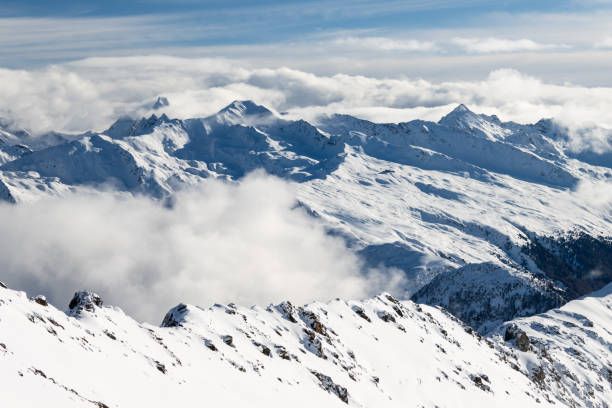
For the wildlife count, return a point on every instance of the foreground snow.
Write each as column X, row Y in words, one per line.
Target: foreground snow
column 373, row 353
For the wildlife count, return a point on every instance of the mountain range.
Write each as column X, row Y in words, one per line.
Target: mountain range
column 495, row 226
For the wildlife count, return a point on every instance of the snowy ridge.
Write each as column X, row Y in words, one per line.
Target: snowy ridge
column 378, row 352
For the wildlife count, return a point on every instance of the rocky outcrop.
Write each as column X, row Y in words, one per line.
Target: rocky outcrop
column 330, row 386
column 41, row 300
column 83, row 301
column 175, row 316
column 519, row 337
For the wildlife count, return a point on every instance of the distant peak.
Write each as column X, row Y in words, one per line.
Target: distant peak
column 161, row 102
column 458, row 116
column 245, row 108
column 461, row 108
column 126, row 126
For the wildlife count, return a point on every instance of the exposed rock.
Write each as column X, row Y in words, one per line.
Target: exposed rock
column 314, row 344
column 359, row 311
column 479, row 381
column 41, row 300
column 84, row 300
column 386, row 317
column 263, row 348
column 287, row 310
column 229, row 340
column 522, row 341
column 398, row 311
column 330, row 386
column 160, row 366
column 210, row 345
column 175, row 316
column 519, row 336
column 312, row 320
column 3, row 285
column 538, row 376
column 282, row 352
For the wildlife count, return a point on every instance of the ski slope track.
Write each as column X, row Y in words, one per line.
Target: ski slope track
column 379, row 352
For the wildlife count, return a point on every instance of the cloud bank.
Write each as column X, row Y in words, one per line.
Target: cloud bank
column 220, row 243
column 92, row 93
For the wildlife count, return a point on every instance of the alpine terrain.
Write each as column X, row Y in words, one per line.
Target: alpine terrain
column 497, row 228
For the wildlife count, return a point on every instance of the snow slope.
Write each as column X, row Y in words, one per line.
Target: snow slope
column 374, row 353
column 569, row 349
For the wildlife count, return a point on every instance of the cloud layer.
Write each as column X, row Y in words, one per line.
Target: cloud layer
column 92, row 93
column 221, row 243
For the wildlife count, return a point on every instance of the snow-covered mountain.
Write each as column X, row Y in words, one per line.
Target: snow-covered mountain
column 374, row 353
column 498, row 223
column 491, row 220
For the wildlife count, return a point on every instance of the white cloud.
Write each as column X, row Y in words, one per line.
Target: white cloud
column 598, row 194
column 495, row 45
column 221, row 243
column 589, row 138
column 384, row 44
column 92, row 93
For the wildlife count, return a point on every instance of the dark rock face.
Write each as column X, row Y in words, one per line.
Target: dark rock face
column 229, row 340
column 387, row 317
column 480, row 380
column 160, row 366
column 287, row 310
column 175, row 316
column 583, row 263
column 3, row 285
column 312, row 320
column 330, row 386
column 210, row 345
column 84, row 300
column 359, row 311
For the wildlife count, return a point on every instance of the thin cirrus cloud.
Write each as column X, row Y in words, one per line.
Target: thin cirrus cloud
column 501, row 45
column 384, row 44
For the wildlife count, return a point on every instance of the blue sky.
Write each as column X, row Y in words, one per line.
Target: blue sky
column 567, row 40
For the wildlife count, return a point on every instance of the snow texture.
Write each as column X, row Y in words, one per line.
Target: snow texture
column 377, row 352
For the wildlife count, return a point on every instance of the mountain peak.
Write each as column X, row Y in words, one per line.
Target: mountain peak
column 459, row 114
column 461, row 108
column 161, row 102
column 464, row 119
column 245, row 108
